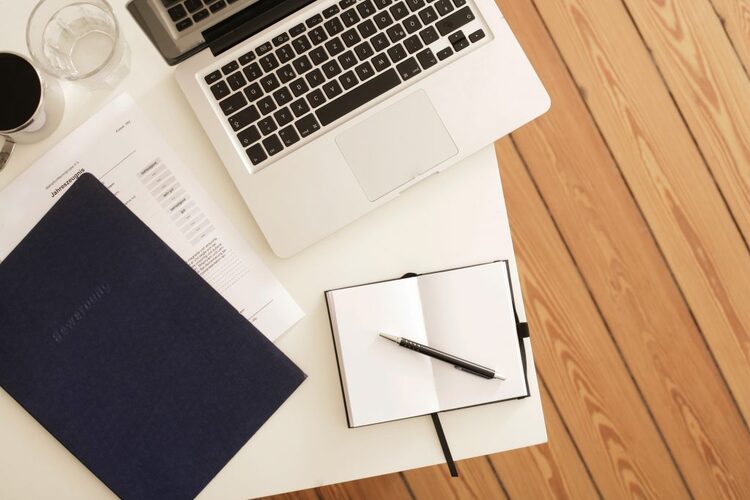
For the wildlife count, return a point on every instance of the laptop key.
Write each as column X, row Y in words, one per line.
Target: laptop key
column 334, row 26
column 318, row 55
column 427, row 59
column 280, row 39
column 302, row 64
column 363, row 94
column 184, row 24
column 240, row 120
column 252, row 72
column 366, row 9
column 177, row 12
column 256, row 154
column 409, row 68
column 412, row 24
column 212, row 77
column 307, row 125
column 348, row 80
column 458, row 41
column 445, row 53
column 301, row 44
column 286, row 73
column 413, row 44
column 330, row 11
column 220, row 90
column 367, row 29
column 283, row 116
column 314, row 20
column 351, row 37
column 230, row 67
column 236, row 81
column 247, row 58
column 267, row 125
column 332, row 89
column 233, row 103
column 331, row 69
column 334, row 47
column 193, row 5
column 318, row 35
column 253, row 92
column 363, row 51
column 269, row 62
column 454, row 21
column 288, row 135
column 269, row 83
column 316, row 98
column 429, row 35
column 285, row 54
column 364, row 71
column 350, row 18
column 396, row 33
column 396, row 53
column 200, row 15
column 315, row 78
column 415, row 5
column 248, row 136
column 428, row 15
column 383, row 19
column 476, row 36
column 299, row 87
column 399, row 11
column 282, row 96
column 266, row 105
column 382, row 4
column 444, row 7
column 297, row 30
column 380, row 42
column 459, row 3
column 216, row 7
column 347, row 59
column 300, row 107
column 380, row 62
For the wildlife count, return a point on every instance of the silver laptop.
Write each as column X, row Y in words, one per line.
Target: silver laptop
column 323, row 110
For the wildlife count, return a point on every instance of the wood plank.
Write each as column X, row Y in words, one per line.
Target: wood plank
column 551, row 470
column 710, row 86
column 476, row 480
column 389, row 487
column 578, row 360
column 296, row 495
column 735, row 16
column 665, row 172
column 629, row 279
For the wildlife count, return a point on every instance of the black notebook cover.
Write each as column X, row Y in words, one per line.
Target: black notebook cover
column 123, row 353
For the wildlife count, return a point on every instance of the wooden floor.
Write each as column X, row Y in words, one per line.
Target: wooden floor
column 630, row 209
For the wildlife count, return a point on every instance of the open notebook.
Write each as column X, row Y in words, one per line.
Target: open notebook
column 466, row 312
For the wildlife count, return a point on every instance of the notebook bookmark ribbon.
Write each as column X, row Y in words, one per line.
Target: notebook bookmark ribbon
column 444, row 445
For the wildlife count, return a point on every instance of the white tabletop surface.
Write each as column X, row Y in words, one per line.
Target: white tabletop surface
column 452, row 219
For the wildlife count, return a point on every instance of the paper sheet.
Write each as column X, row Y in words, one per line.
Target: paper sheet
column 121, row 147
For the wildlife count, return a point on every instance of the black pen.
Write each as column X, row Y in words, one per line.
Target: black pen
column 461, row 364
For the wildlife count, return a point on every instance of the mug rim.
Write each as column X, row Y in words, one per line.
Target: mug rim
column 41, row 94
column 48, row 68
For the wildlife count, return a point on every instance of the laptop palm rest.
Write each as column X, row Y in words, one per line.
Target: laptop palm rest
column 395, row 145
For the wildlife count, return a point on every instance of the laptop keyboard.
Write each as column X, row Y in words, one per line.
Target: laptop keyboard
column 348, row 54
column 185, row 14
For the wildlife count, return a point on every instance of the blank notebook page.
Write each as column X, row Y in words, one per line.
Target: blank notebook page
column 466, row 312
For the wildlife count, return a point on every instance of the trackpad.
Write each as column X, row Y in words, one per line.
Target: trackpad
column 395, row 145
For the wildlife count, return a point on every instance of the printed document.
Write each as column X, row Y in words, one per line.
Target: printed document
column 121, row 147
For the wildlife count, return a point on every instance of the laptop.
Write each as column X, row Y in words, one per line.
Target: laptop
column 323, row 110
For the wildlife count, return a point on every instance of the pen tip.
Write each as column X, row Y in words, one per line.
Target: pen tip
column 499, row 377
column 390, row 337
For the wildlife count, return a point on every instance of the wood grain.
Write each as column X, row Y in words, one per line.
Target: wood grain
column 385, row 487
column 578, row 360
column 710, row 87
column 665, row 173
column 735, row 17
column 476, row 480
column 629, row 279
column 552, row 470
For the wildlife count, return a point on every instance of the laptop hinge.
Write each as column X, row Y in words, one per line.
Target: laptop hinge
column 249, row 21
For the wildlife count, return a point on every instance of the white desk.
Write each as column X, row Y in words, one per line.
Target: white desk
column 452, row 219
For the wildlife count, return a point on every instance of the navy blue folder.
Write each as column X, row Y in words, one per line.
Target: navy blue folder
column 123, row 353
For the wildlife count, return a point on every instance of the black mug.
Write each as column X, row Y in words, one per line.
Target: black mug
column 23, row 115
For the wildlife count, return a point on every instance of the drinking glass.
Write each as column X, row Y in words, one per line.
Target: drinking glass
column 78, row 40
